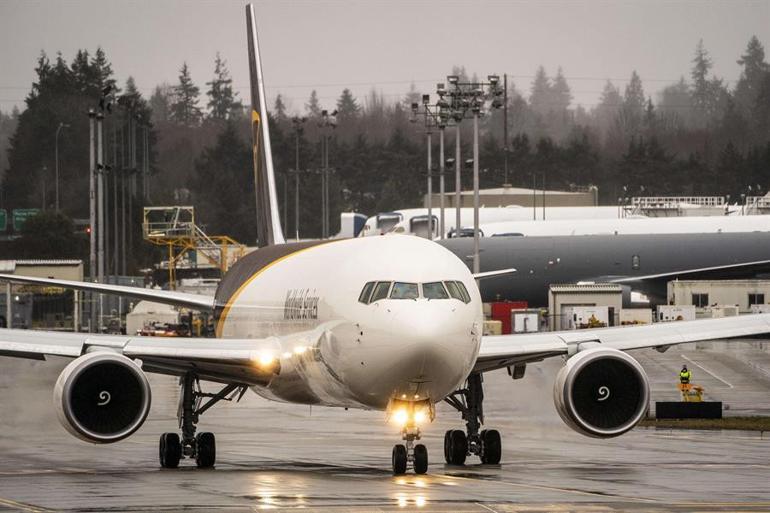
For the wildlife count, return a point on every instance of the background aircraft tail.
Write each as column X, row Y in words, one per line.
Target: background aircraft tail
column 269, row 230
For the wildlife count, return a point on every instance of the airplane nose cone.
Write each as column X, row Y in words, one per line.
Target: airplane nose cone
column 425, row 349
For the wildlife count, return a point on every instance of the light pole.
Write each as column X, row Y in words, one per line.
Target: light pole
column 56, row 163
column 92, row 210
column 429, row 121
column 298, row 129
column 465, row 97
column 327, row 123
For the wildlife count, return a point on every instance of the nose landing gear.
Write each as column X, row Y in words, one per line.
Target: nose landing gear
column 403, row 454
column 486, row 444
column 200, row 446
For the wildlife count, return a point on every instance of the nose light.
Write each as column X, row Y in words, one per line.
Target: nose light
column 406, row 414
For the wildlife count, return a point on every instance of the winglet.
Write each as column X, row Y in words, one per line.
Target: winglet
column 491, row 274
column 269, row 230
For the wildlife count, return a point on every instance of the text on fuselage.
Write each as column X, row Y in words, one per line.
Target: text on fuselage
column 300, row 304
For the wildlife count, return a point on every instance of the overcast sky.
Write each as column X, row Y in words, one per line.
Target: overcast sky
column 327, row 45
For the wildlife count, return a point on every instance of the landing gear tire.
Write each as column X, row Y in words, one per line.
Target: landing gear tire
column 420, row 459
column 206, row 450
column 169, row 450
column 448, row 446
column 491, row 446
column 455, row 447
column 399, row 459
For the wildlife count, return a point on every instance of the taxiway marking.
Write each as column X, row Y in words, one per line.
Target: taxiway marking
column 708, row 371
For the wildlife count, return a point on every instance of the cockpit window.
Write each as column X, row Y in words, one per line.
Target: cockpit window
column 366, row 293
column 404, row 291
column 434, row 290
column 380, row 291
column 458, row 291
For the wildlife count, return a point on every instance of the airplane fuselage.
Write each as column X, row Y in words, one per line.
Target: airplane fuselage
column 338, row 350
column 541, row 261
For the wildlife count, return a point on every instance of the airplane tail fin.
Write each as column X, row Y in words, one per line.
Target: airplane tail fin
column 269, row 230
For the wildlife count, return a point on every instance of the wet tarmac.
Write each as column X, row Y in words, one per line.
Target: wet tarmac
column 277, row 456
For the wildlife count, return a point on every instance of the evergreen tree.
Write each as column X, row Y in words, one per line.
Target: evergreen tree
column 279, row 110
column 313, row 106
column 160, row 103
column 347, row 106
column 223, row 103
column 631, row 116
column 561, row 92
column 675, row 106
column 700, row 82
column 184, row 108
column 223, row 187
column 608, row 109
column 540, row 92
column 752, row 75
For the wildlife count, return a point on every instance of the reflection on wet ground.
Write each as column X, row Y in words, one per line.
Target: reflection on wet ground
column 276, row 456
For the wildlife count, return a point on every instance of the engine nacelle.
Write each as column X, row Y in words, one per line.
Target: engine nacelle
column 102, row 397
column 601, row 392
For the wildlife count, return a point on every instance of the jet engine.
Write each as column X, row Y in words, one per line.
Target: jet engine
column 601, row 392
column 102, row 397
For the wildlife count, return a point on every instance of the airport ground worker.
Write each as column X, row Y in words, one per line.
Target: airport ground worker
column 685, row 375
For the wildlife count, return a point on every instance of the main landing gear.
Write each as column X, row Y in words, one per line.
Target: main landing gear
column 202, row 446
column 486, row 444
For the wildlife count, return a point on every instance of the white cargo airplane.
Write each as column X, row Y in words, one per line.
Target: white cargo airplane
column 382, row 323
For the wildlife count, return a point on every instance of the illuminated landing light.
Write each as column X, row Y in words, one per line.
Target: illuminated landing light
column 265, row 359
column 420, row 416
column 419, row 501
column 300, row 349
column 286, row 355
column 401, row 416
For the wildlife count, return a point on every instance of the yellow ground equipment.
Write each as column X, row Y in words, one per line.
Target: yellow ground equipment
column 691, row 393
column 175, row 228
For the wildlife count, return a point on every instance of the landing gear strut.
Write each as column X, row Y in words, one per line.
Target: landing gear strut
column 405, row 453
column 201, row 446
column 486, row 444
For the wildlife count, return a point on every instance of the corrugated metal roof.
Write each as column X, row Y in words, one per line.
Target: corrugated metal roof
column 587, row 287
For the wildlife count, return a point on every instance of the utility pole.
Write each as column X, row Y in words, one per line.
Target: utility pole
column 115, row 232
column 56, row 163
column 297, row 122
column 430, row 187
column 100, row 226
column 327, row 124
column 505, row 129
column 476, row 113
column 441, row 178
column 92, row 211
column 458, row 183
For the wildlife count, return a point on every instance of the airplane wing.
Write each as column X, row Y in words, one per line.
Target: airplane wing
column 169, row 297
column 247, row 361
column 742, row 269
column 499, row 351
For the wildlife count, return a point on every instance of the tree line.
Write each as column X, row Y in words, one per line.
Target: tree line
column 696, row 136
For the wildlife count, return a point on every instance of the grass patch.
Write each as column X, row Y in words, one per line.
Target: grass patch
column 738, row 423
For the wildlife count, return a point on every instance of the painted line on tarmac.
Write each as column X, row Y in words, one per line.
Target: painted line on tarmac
column 708, row 371
column 20, row 506
column 556, row 489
